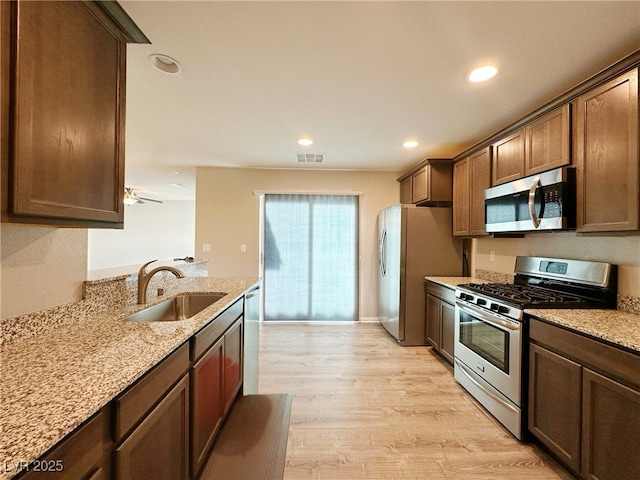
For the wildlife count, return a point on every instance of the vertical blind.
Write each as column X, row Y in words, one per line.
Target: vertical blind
column 311, row 257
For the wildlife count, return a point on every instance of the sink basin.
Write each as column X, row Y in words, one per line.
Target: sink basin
column 180, row 307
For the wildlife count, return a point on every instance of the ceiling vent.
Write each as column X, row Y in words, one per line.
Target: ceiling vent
column 311, row 158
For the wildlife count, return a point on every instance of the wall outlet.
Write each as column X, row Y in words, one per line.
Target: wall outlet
column 243, row 248
column 206, row 247
column 492, row 256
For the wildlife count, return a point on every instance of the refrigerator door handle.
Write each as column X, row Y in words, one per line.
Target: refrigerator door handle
column 381, row 253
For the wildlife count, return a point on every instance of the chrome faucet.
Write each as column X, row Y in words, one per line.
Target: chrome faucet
column 144, row 277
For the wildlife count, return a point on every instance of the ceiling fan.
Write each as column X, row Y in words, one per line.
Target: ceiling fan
column 131, row 198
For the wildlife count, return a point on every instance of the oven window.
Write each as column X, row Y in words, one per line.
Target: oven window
column 488, row 341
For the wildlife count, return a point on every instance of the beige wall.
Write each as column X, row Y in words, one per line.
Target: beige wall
column 622, row 250
column 42, row 267
column 227, row 215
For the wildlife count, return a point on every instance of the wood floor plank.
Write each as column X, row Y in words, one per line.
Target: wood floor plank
column 365, row 408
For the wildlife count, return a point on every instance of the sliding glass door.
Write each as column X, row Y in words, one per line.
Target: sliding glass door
column 310, row 257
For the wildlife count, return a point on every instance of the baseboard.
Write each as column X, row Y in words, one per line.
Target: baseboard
column 369, row 319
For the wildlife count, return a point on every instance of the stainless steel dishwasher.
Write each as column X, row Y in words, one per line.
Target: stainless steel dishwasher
column 251, row 340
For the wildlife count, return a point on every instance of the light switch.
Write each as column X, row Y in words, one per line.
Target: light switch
column 206, row 247
column 243, row 248
column 492, row 256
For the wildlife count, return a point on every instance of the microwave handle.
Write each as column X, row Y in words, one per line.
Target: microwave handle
column 532, row 201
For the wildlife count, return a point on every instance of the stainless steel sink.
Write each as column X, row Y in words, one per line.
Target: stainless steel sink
column 180, row 307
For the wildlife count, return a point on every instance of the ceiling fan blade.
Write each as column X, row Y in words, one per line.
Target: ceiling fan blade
column 149, row 200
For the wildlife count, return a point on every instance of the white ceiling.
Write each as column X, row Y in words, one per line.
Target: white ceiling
column 358, row 77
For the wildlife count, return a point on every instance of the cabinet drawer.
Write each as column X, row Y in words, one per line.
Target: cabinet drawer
column 85, row 453
column 442, row 292
column 209, row 334
column 612, row 361
column 134, row 403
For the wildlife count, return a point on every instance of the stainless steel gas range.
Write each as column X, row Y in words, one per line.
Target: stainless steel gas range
column 491, row 329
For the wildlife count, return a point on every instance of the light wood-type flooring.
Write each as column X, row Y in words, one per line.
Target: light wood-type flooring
column 366, row 408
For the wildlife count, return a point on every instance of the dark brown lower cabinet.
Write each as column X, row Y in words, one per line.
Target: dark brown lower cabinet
column 611, row 429
column 206, row 403
column 555, row 384
column 216, row 379
column 85, row 453
column 589, row 420
column 434, row 325
column 447, row 313
column 159, row 446
column 232, row 378
column 440, row 315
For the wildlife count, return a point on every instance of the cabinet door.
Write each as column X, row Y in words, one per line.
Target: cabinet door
column 611, row 426
column 206, row 403
column 461, row 198
column 158, row 447
column 232, row 377
column 480, row 173
column 420, row 185
column 447, row 314
column 406, row 190
column 85, row 453
column 508, row 158
column 555, row 385
column 548, row 140
column 606, row 156
column 434, row 322
column 68, row 107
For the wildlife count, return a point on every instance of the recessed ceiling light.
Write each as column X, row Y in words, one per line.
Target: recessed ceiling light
column 410, row 144
column 483, row 73
column 305, row 142
column 165, row 63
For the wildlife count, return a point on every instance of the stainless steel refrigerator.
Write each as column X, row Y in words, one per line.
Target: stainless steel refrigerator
column 413, row 242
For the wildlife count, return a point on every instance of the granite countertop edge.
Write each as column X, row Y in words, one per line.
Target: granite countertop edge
column 53, row 382
column 614, row 326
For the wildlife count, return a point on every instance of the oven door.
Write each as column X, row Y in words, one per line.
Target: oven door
column 490, row 347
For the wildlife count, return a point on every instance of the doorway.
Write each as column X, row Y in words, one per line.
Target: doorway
column 310, row 247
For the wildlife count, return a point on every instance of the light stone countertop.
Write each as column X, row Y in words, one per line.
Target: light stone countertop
column 453, row 282
column 54, row 381
column 614, row 326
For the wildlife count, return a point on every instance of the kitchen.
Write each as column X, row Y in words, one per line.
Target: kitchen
column 217, row 184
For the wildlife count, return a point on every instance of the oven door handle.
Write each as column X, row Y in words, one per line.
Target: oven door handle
column 467, row 372
column 496, row 322
column 532, row 202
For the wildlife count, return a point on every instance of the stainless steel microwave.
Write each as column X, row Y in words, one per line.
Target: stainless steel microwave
column 540, row 202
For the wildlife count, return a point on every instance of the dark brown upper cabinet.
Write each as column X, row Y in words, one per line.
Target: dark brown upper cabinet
column 508, row 158
column 471, row 176
column 542, row 145
column 63, row 112
column 547, row 142
column 428, row 184
column 605, row 146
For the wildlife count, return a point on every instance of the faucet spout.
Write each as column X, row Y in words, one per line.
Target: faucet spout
column 144, row 277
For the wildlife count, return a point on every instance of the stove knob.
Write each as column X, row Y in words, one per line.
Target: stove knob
column 494, row 306
column 481, row 301
column 465, row 296
column 503, row 309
